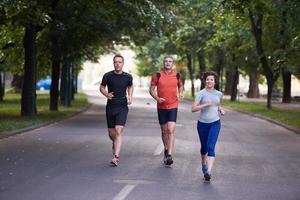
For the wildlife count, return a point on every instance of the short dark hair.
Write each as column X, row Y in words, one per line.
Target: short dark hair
column 211, row 73
column 118, row 55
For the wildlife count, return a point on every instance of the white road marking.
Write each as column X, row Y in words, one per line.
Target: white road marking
column 124, row 192
column 134, row 182
column 159, row 149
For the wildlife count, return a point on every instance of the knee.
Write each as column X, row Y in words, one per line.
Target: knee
column 203, row 151
column 118, row 131
column 165, row 131
column 169, row 131
column 211, row 151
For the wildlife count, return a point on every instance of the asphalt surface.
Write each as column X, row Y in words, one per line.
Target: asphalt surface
column 69, row 160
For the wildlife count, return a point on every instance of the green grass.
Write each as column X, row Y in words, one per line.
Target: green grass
column 10, row 109
column 286, row 116
column 289, row 117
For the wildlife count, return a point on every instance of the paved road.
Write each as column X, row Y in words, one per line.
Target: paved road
column 69, row 160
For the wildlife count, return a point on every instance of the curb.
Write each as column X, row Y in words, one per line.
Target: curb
column 295, row 130
column 6, row 134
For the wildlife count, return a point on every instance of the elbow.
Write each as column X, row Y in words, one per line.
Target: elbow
column 150, row 92
column 193, row 109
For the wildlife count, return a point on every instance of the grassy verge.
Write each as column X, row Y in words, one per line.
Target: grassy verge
column 286, row 116
column 10, row 110
column 289, row 117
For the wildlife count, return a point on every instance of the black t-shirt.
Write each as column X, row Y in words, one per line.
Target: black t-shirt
column 117, row 83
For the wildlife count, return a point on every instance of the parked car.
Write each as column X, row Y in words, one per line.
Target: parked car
column 44, row 83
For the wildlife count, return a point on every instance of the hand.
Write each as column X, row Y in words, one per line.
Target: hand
column 110, row 95
column 181, row 97
column 160, row 100
column 222, row 112
column 129, row 100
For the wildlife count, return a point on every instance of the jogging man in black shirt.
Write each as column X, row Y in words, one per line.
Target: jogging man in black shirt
column 118, row 83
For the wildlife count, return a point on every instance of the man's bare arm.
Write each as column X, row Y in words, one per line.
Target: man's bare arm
column 130, row 94
column 153, row 93
column 105, row 92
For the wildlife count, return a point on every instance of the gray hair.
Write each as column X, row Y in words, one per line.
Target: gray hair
column 169, row 56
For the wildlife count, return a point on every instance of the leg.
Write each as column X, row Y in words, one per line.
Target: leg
column 112, row 137
column 203, row 136
column 164, row 135
column 118, row 139
column 212, row 140
column 110, row 119
column 168, row 135
column 171, row 125
column 162, row 118
column 171, row 136
column 112, row 134
column 120, row 122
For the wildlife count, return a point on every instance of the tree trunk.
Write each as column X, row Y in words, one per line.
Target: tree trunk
column 65, row 90
column 191, row 72
column 235, row 80
column 220, row 64
column 286, row 74
column 63, row 80
column 253, row 91
column 287, row 78
column 257, row 32
column 28, row 102
column 2, row 86
column 72, row 82
column 76, row 82
column 228, row 83
column 68, row 83
column 54, row 91
column 202, row 67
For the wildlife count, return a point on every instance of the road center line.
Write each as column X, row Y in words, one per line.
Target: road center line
column 159, row 149
column 124, row 192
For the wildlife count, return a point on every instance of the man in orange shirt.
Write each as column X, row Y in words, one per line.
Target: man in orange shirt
column 167, row 88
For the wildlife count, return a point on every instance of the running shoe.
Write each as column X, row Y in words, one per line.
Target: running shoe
column 165, row 156
column 207, row 176
column 169, row 160
column 165, row 153
column 204, row 168
column 115, row 161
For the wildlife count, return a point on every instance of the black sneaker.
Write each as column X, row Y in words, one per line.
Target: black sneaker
column 207, row 176
column 166, row 152
column 169, row 160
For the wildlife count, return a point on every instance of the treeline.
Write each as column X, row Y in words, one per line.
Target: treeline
column 233, row 38
column 56, row 36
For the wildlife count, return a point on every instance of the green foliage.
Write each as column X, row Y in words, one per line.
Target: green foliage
column 150, row 56
column 84, row 29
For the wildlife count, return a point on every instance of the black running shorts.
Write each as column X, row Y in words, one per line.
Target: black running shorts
column 116, row 115
column 167, row 115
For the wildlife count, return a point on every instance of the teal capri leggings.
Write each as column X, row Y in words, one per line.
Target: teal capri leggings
column 208, row 135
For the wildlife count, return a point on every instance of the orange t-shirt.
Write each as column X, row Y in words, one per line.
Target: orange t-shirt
column 167, row 88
